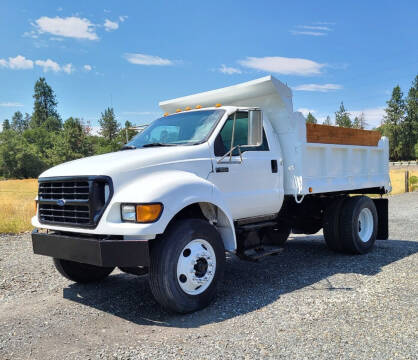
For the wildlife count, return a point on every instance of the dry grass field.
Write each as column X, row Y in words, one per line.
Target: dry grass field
column 17, row 204
column 17, row 200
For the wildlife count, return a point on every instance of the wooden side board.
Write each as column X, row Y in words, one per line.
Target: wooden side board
column 326, row 134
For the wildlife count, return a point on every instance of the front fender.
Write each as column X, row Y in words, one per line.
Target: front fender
column 175, row 190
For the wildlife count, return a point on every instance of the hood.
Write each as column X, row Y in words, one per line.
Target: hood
column 120, row 162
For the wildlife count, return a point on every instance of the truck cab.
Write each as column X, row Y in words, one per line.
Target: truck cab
column 204, row 179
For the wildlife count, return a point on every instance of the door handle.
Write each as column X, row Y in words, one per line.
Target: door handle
column 274, row 168
column 222, row 169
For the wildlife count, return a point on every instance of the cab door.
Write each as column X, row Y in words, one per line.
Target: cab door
column 252, row 186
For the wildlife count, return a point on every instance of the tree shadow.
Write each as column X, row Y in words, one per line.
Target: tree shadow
column 305, row 265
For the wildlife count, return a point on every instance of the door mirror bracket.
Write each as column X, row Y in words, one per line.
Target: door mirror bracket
column 254, row 136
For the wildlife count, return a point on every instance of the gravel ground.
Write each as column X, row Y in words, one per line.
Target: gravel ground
column 305, row 303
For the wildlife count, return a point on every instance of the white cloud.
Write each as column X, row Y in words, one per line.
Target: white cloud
column 313, row 30
column 50, row 65
column 68, row 68
column 122, row 18
column 17, row 63
column 311, row 33
column 283, row 65
column 11, row 104
column 21, row 63
column 72, row 27
column 110, row 25
column 310, row 27
column 317, row 87
column 229, row 70
column 143, row 59
column 87, row 67
column 324, row 23
column 373, row 116
column 305, row 111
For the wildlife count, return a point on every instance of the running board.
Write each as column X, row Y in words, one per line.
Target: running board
column 259, row 252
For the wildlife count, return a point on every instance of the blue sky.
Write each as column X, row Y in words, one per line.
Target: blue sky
column 132, row 54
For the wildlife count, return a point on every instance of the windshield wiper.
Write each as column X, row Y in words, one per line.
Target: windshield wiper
column 157, row 144
column 127, row 147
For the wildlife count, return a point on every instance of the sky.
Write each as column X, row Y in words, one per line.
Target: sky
column 132, row 54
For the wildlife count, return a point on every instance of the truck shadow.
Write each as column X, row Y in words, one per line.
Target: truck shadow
column 305, row 265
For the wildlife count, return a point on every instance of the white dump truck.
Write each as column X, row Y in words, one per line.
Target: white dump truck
column 229, row 170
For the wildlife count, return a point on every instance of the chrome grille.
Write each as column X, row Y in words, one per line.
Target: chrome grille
column 77, row 202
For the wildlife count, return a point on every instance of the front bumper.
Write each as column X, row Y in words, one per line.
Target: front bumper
column 89, row 250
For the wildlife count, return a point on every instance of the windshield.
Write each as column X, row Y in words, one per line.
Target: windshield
column 186, row 128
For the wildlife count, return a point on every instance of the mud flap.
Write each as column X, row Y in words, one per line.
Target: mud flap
column 382, row 207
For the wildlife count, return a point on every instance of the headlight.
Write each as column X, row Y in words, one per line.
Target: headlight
column 141, row 213
column 128, row 212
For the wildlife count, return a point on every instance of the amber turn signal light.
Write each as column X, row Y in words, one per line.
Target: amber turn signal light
column 146, row 213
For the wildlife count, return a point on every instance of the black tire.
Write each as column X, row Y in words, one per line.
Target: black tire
column 81, row 273
column 332, row 225
column 275, row 235
column 165, row 254
column 350, row 225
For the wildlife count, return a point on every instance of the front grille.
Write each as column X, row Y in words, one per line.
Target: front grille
column 78, row 202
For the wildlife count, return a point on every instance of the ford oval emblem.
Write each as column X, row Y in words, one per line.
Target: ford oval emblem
column 61, row 202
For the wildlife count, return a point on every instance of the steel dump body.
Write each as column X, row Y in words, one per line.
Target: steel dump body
column 309, row 167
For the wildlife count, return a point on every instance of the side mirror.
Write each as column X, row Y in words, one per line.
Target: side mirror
column 255, row 128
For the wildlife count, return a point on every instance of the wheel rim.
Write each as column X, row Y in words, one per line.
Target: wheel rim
column 365, row 225
column 196, row 267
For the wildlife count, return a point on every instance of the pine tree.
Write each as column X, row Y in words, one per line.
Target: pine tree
column 327, row 121
column 19, row 123
column 109, row 126
column 342, row 117
column 6, row 125
column 45, row 104
column 129, row 133
column 359, row 122
column 310, row 119
column 395, row 114
column 409, row 131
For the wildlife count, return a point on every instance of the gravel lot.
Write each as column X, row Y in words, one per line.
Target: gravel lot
column 305, row 303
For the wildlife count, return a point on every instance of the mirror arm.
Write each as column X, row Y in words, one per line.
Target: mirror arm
column 229, row 153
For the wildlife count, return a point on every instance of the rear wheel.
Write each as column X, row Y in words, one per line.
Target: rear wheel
column 81, row 273
column 332, row 225
column 358, row 225
column 187, row 263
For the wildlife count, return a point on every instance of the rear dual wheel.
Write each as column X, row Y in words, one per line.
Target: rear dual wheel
column 350, row 225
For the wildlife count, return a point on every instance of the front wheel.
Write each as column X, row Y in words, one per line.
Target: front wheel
column 187, row 263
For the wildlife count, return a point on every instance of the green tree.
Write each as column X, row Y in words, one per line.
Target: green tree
column 342, row 117
column 71, row 143
column 6, row 125
column 18, row 122
column 109, row 125
column 19, row 158
column 395, row 114
column 409, row 129
column 310, row 119
column 129, row 132
column 45, row 104
column 327, row 121
column 359, row 122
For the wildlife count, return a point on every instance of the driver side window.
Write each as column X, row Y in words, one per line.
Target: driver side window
column 224, row 138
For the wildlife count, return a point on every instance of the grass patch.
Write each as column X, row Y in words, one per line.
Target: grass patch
column 17, row 205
